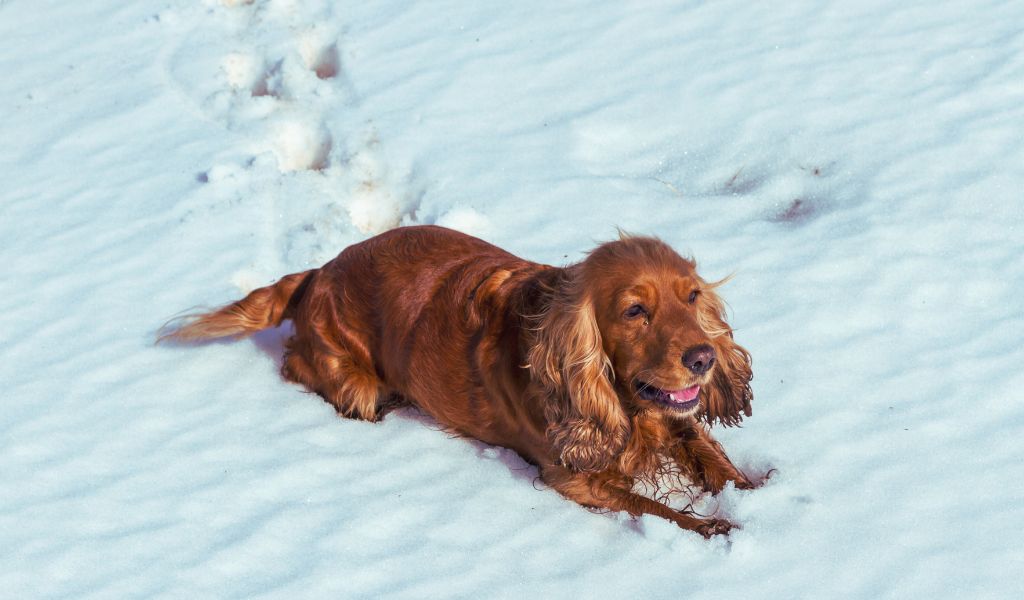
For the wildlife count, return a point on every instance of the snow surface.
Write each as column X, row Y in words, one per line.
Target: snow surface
column 858, row 166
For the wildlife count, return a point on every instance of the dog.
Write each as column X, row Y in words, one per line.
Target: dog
column 598, row 372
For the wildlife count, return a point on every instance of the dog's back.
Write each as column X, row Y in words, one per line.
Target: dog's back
column 425, row 314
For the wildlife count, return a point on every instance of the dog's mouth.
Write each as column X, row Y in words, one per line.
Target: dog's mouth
column 682, row 400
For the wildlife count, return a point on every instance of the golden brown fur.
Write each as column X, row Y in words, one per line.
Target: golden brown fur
column 590, row 372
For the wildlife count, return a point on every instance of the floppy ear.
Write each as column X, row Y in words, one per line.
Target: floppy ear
column 728, row 397
column 586, row 423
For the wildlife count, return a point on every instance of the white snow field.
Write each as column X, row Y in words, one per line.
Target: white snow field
column 857, row 166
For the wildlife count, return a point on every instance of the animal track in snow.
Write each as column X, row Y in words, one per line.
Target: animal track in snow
column 310, row 169
column 282, row 74
column 787, row 193
column 301, row 145
column 792, row 183
column 246, row 72
column 797, row 211
column 377, row 204
column 320, row 56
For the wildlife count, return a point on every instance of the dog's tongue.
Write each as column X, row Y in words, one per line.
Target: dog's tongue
column 683, row 395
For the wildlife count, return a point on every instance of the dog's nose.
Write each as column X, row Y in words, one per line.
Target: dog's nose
column 699, row 359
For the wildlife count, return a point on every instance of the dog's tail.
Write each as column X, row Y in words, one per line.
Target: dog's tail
column 263, row 308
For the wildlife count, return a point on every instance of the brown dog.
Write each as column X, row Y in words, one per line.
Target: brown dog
column 595, row 372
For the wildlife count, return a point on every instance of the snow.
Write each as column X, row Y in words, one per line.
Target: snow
column 858, row 168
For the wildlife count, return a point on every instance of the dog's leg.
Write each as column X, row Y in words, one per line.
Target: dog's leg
column 354, row 391
column 704, row 460
column 332, row 371
column 603, row 491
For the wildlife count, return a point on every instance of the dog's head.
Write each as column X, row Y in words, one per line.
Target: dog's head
column 634, row 327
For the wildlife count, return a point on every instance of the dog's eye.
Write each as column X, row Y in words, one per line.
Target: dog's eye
column 635, row 311
column 693, row 296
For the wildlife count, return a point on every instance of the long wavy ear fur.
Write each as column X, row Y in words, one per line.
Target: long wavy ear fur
column 728, row 397
column 586, row 423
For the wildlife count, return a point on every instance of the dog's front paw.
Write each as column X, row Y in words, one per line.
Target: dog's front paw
column 713, row 526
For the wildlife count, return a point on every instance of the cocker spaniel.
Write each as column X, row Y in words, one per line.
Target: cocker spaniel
column 597, row 373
